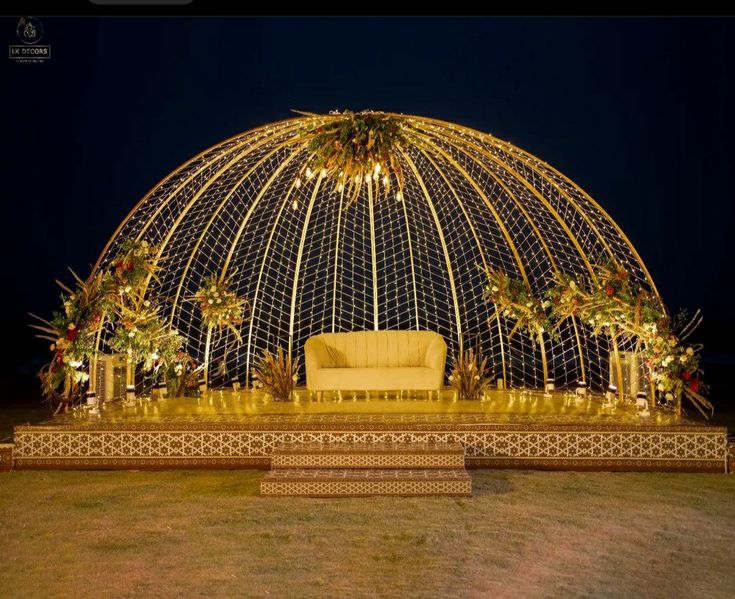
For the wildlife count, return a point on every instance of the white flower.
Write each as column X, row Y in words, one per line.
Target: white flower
column 572, row 284
column 131, row 334
column 669, row 396
column 127, row 289
column 690, row 351
column 683, row 358
column 477, row 377
column 154, row 356
column 71, row 326
column 210, row 301
column 52, row 347
column 144, row 243
column 147, row 303
column 529, row 304
column 294, row 378
column 494, row 288
column 545, row 304
column 669, row 358
column 213, row 288
column 219, row 301
column 660, row 386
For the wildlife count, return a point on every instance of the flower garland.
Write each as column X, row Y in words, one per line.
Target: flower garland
column 355, row 147
column 220, row 307
column 132, row 266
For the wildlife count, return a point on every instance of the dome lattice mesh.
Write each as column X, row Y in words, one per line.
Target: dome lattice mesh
column 308, row 264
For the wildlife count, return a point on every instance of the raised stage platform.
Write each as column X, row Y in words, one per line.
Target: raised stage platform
column 509, row 429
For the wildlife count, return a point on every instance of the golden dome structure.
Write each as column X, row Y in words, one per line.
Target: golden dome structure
column 316, row 249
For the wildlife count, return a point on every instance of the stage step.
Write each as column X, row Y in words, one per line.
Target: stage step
column 368, row 455
column 362, row 469
column 342, row 482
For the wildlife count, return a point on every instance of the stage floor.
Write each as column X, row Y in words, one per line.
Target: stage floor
column 504, row 407
column 508, row 429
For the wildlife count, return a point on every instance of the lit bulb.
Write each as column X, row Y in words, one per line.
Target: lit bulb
column 377, row 168
column 309, row 173
column 297, row 185
column 399, row 196
column 295, row 205
column 367, row 178
column 324, row 173
column 357, row 178
column 386, row 180
column 340, row 187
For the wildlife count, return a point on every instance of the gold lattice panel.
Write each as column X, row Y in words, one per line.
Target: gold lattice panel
column 685, row 448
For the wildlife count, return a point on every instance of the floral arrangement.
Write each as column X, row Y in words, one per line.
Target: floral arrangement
column 276, row 374
column 116, row 295
column 72, row 332
column 145, row 337
column 134, row 263
column 613, row 306
column 219, row 306
column 469, row 377
column 355, row 147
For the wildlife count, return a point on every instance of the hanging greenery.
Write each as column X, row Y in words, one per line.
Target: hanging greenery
column 220, row 307
column 515, row 301
column 276, row 374
column 470, row 377
column 72, row 332
column 352, row 148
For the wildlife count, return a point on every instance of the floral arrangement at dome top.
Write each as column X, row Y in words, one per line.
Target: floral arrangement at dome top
column 514, row 300
column 469, row 377
column 354, row 147
column 73, row 331
column 276, row 374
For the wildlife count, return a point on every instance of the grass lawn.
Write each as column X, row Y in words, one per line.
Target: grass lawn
column 208, row 534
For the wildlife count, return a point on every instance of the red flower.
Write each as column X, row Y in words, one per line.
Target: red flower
column 610, row 290
column 694, row 385
column 71, row 334
column 686, row 375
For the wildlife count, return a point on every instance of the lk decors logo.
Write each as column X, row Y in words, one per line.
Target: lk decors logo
column 29, row 31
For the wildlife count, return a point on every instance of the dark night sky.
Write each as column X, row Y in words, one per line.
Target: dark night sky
column 637, row 111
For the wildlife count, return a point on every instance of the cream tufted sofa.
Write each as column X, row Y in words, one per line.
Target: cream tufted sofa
column 375, row 361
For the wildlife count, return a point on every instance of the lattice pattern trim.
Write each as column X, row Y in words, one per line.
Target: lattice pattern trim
column 694, row 448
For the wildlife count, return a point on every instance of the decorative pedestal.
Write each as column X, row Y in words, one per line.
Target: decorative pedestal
column 6, row 457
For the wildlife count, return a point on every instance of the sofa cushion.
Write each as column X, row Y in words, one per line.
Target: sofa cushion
column 378, row 378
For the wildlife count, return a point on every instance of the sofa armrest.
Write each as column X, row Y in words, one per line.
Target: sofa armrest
column 316, row 356
column 436, row 355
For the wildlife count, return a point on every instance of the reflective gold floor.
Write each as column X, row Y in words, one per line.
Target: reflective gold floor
column 508, row 406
